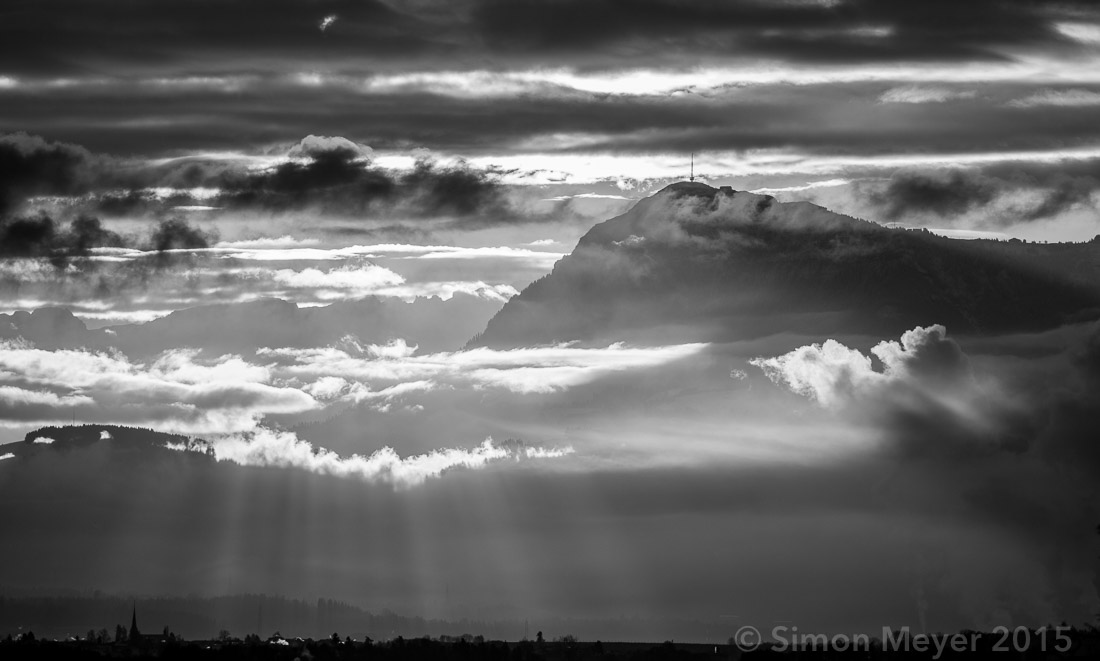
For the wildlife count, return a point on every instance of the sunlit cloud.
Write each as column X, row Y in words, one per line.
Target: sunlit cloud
column 917, row 94
column 829, row 183
column 546, row 168
column 1088, row 33
column 528, row 370
column 267, row 243
column 709, row 80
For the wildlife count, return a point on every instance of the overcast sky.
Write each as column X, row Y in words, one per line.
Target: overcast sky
column 773, row 94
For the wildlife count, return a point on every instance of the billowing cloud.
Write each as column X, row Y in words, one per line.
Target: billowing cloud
column 927, row 397
column 834, row 375
column 312, row 146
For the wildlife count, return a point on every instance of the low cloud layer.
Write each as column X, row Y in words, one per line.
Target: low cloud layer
column 180, row 391
column 135, row 284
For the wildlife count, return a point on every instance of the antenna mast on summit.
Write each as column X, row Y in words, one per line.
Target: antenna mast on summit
column 692, row 177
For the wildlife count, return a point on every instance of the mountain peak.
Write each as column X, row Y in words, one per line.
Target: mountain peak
column 698, row 263
column 691, row 188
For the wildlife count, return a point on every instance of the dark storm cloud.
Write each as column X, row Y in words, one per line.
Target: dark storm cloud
column 941, row 193
column 326, row 176
column 41, row 236
column 339, row 181
column 176, row 234
column 1054, row 190
column 30, row 165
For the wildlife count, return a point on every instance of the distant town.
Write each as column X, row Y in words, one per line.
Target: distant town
column 1061, row 642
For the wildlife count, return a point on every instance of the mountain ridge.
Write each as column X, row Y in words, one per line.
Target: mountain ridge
column 697, row 263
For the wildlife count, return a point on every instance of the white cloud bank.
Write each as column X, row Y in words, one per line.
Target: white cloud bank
column 282, row 449
column 176, row 392
column 181, row 391
column 226, row 398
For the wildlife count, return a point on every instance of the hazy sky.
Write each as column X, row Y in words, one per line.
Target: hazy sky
column 396, row 172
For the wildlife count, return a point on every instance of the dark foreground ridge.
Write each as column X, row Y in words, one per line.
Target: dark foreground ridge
column 125, row 439
column 697, row 263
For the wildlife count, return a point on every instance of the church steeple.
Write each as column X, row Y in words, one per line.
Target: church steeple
column 134, row 633
column 692, row 177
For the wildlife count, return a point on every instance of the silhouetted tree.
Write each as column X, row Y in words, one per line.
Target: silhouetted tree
column 120, row 633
